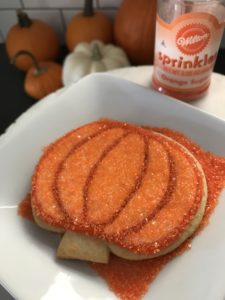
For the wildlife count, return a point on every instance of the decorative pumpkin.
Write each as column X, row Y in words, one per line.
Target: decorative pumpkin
column 134, row 30
column 88, row 26
column 42, row 79
column 34, row 36
column 92, row 57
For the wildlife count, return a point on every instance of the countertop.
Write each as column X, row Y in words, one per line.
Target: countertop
column 14, row 101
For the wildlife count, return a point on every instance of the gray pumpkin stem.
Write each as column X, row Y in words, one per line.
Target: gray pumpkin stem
column 96, row 53
column 38, row 69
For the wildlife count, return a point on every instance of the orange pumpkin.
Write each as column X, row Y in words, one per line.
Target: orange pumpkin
column 34, row 36
column 134, row 30
column 88, row 26
column 41, row 79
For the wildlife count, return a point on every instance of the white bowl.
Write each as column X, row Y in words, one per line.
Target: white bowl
column 28, row 268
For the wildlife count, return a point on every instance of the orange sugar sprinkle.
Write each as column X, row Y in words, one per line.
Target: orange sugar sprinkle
column 130, row 279
column 25, row 209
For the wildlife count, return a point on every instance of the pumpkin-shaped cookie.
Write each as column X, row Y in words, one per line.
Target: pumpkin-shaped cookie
column 136, row 190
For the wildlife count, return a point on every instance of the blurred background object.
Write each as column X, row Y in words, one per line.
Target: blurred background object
column 58, row 15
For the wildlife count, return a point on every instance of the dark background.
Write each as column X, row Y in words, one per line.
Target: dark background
column 14, row 101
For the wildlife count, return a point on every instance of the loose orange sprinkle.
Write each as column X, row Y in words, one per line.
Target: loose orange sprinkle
column 25, row 209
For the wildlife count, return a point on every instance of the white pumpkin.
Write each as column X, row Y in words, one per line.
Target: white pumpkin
column 92, row 57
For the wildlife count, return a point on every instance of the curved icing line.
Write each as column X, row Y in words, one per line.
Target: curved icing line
column 165, row 241
column 46, row 153
column 165, row 199
column 55, row 189
column 132, row 191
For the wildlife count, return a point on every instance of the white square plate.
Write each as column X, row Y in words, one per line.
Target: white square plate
column 28, row 268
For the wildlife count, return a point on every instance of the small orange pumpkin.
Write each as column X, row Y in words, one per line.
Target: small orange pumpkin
column 88, row 26
column 34, row 36
column 134, row 30
column 42, row 79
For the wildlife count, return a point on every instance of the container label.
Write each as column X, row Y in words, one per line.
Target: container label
column 186, row 51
